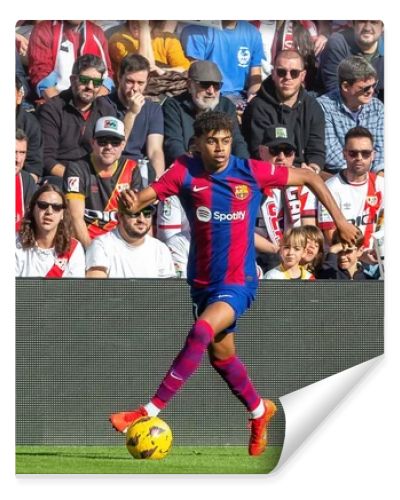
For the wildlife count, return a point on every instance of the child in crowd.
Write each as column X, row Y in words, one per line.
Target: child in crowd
column 342, row 262
column 291, row 251
column 314, row 255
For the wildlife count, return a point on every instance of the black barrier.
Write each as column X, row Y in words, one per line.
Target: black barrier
column 87, row 348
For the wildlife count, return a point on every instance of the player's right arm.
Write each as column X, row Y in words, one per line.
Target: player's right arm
column 169, row 184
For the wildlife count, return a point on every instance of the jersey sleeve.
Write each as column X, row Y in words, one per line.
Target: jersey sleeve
column 76, row 264
column 267, row 174
column 171, row 181
column 75, row 184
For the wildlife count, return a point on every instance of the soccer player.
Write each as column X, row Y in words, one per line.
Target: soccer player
column 221, row 195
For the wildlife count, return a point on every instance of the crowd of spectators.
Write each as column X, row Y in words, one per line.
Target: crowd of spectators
column 105, row 106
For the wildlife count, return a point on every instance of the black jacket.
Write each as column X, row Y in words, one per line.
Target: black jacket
column 179, row 115
column 66, row 134
column 331, row 271
column 28, row 122
column 305, row 119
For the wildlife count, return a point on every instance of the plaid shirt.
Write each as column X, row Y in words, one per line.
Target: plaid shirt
column 339, row 119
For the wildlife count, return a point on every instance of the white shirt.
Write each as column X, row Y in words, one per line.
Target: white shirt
column 179, row 245
column 37, row 262
column 351, row 199
column 151, row 259
column 171, row 218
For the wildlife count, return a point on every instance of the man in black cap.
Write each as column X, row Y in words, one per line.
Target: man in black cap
column 92, row 185
column 281, row 209
column 203, row 95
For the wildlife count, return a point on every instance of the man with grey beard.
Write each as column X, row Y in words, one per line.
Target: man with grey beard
column 203, row 95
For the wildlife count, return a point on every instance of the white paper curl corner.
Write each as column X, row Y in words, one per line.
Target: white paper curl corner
column 306, row 408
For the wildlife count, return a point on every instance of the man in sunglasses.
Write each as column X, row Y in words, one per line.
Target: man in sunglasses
column 363, row 39
column 68, row 120
column 92, row 185
column 220, row 194
column 358, row 192
column 203, row 94
column 350, row 104
column 128, row 251
column 283, row 100
column 285, row 208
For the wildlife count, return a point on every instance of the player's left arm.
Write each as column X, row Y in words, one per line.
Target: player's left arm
column 300, row 176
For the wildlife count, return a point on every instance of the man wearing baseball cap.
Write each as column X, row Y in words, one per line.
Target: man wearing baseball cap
column 203, row 95
column 92, row 185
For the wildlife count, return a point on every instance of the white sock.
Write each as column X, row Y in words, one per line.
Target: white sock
column 259, row 411
column 152, row 410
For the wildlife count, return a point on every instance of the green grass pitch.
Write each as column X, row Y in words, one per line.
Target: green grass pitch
column 116, row 460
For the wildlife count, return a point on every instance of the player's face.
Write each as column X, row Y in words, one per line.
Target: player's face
column 291, row 254
column 288, row 76
column 86, row 85
column 107, row 150
column 282, row 154
column 48, row 212
column 205, row 95
column 359, row 154
column 136, row 226
column 20, row 155
column 132, row 83
column 215, row 148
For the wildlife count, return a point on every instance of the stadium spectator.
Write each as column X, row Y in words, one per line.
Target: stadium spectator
column 282, row 99
column 27, row 121
column 44, row 244
column 291, row 250
column 203, row 94
column 352, row 104
column 314, row 255
column 297, row 35
column 53, row 48
column 143, row 119
column 69, row 118
column 342, row 261
column 361, row 39
column 179, row 245
column 128, row 251
column 236, row 49
column 281, row 209
column 25, row 186
column 163, row 50
column 358, row 192
column 93, row 185
column 171, row 218
column 221, row 269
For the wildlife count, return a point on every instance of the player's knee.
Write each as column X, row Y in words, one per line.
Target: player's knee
column 201, row 332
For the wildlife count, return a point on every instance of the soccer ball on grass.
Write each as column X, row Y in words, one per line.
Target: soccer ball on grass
column 149, row 438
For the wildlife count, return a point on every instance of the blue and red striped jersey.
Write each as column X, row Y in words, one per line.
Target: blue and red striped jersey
column 221, row 209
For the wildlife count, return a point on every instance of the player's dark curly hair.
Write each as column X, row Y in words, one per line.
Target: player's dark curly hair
column 212, row 121
column 27, row 232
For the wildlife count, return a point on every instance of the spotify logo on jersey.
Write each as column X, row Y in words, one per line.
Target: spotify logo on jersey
column 203, row 214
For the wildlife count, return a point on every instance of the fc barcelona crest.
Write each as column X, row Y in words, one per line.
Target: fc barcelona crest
column 242, row 192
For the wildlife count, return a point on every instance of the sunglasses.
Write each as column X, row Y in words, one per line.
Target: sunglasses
column 84, row 80
column 276, row 150
column 206, row 85
column 294, row 73
column 365, row 153
column 147, row 212
column 367, row 88
column 44, row 205
column 103, row 141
